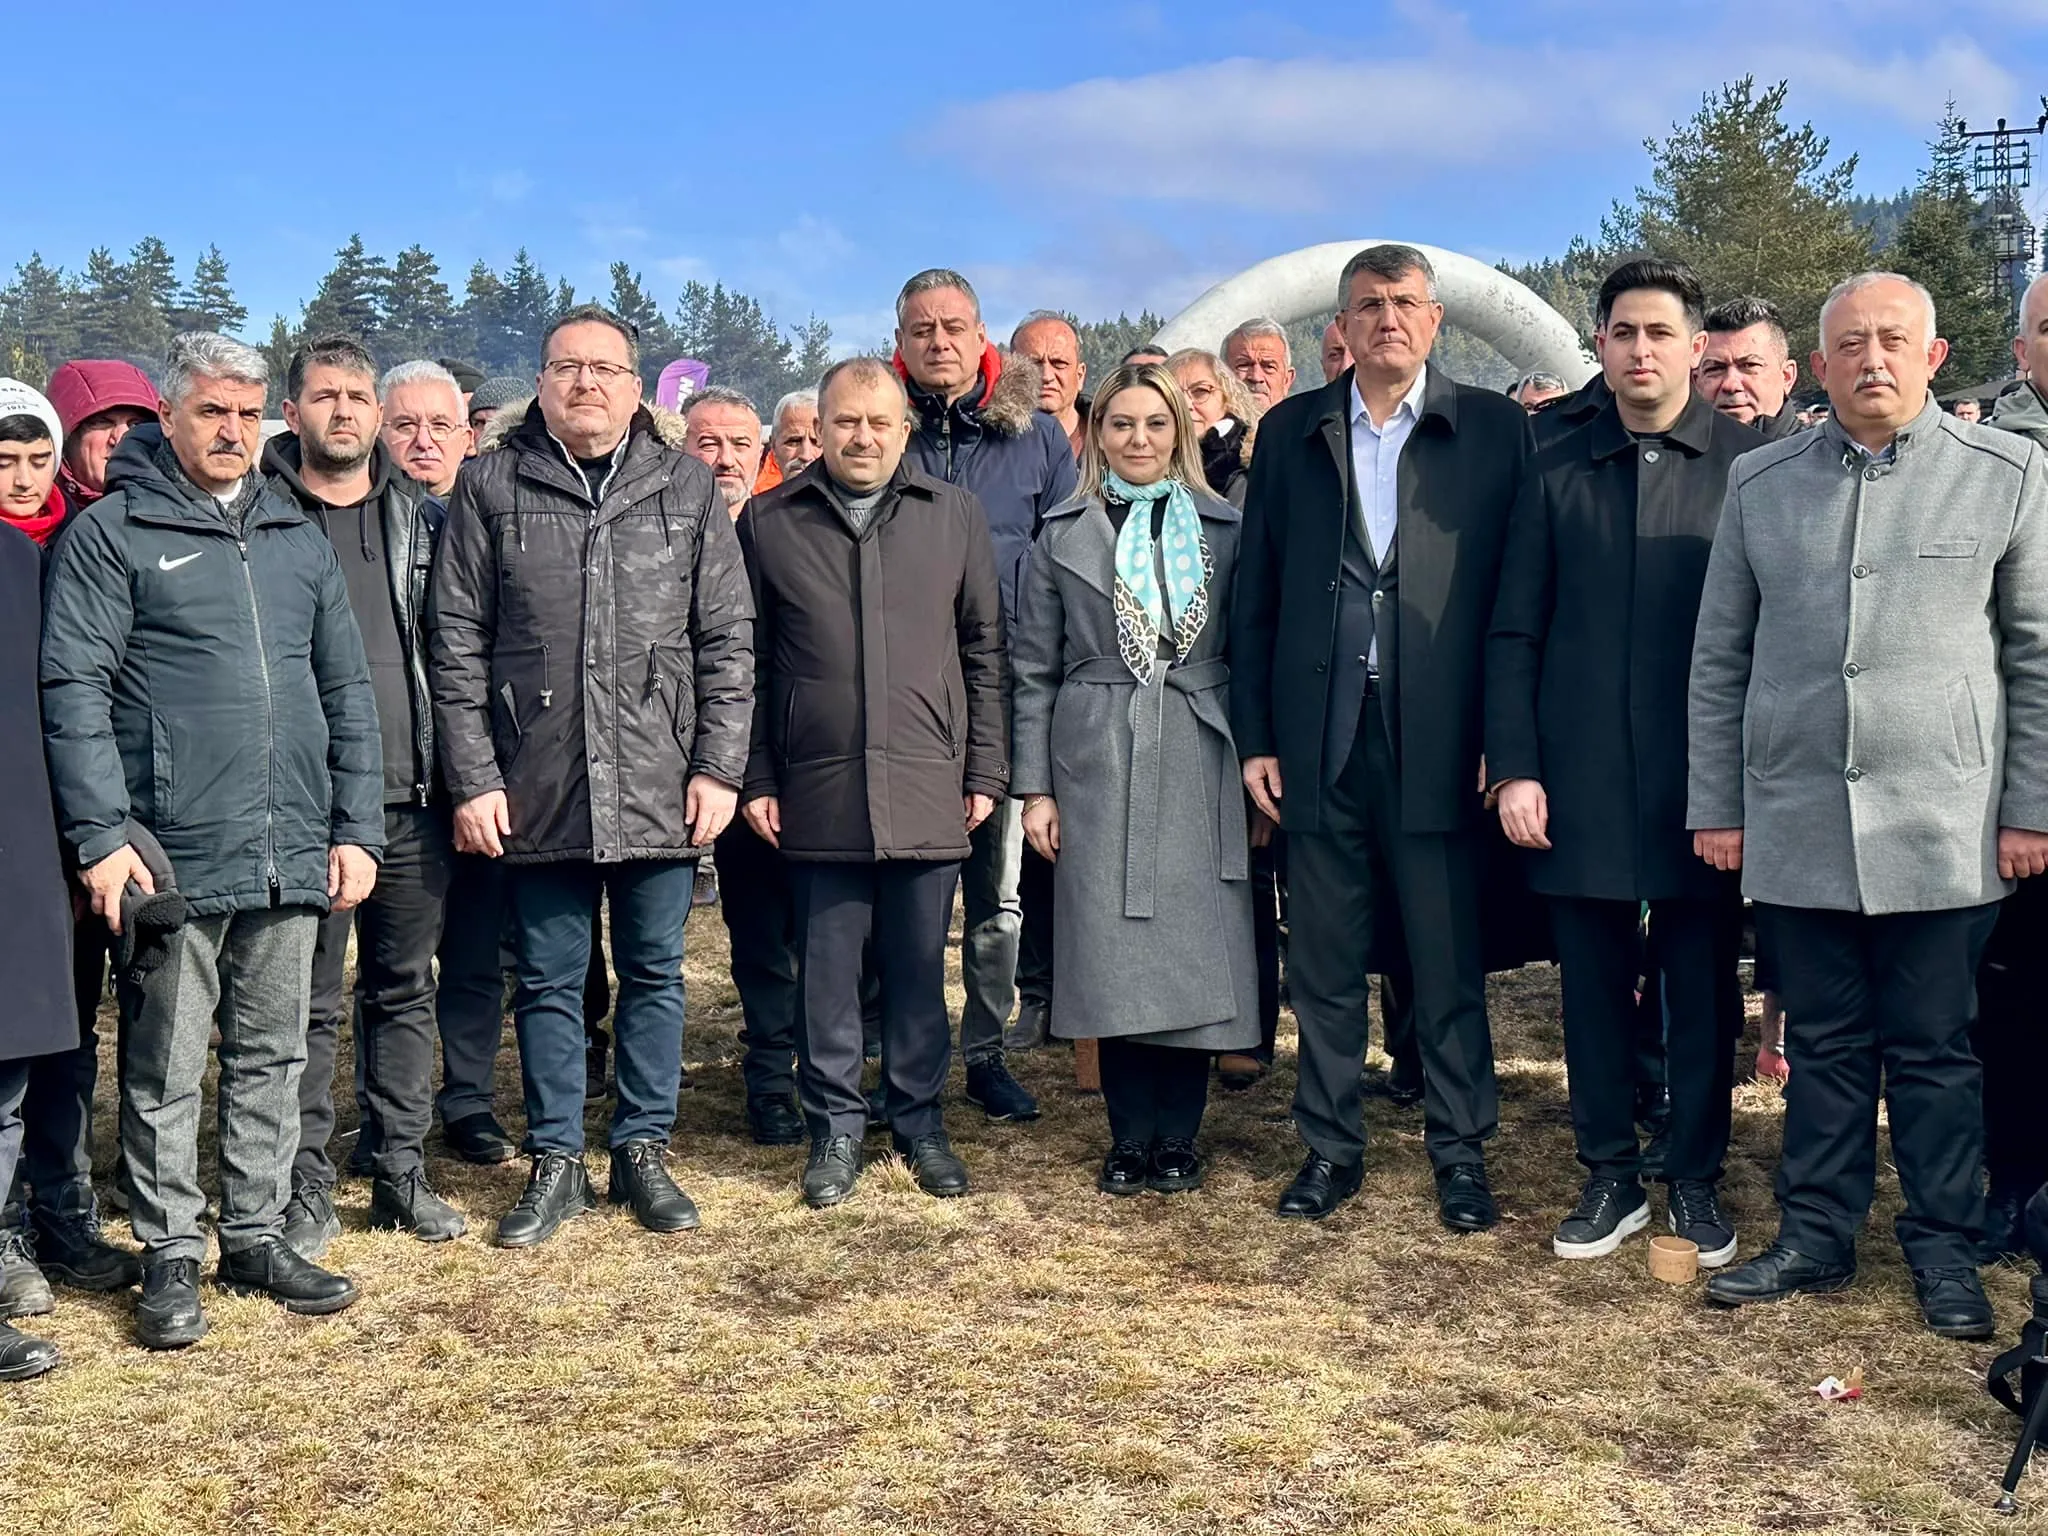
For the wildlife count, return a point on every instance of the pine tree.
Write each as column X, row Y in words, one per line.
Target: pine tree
column 480, row 330
column 284, row 341
column 209, row 303
column 99, row 306
column 1751, row 203
column 529, row 305
column 813, row 343
column 350, row 299
column 36, row 314
column 1945, row 243
column 631, row 302
column 418, row 311
column 1104, row 342
column 729, row 332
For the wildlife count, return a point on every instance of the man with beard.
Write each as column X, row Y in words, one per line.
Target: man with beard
column 1257, row 353
column 793, row 442
column 332, row 465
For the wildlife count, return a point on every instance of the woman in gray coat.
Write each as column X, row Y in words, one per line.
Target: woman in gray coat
column 1124, row 761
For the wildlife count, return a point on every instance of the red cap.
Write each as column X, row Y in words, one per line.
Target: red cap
column 88, row 386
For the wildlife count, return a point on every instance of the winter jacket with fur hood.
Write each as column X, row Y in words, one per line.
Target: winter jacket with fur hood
column 591, row 648
column 996, row 443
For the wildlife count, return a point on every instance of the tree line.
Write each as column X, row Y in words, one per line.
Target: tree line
column 1754, row 203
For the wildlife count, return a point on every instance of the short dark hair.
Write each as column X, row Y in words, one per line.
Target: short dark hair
column 1672, row 277
column 1146, row 353
column 1393, row 262
column 1740, row 314
column 25, row 429
column 860, row 369
column 595, row 314
column 333, row 351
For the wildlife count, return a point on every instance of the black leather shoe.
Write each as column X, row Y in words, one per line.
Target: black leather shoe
column 23, row 1290
column 774, row 1121
column 271, row 1269
column 1463, row 1199
column 640, row 1179
column 409, row 1204
column 169, row 1315
column 1175, row 1167
column 557, row 1190
column 1774, row 1274
column 309, row 1220
column 1320, row 1187
column 72, row 1250
column 22, row 1357
column 479, row 1139
column 931, row 1159
column 1031, row 1028
column 1124, row 1170
column 1954, row 1303
column 832, row 1171
column 596, row 1080
column 992, row 1090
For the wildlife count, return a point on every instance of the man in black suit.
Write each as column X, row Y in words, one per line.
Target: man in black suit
column 1586, row 679
column 1374, row 524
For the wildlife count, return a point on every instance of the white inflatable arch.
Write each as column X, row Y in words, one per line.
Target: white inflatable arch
column 1501, row 312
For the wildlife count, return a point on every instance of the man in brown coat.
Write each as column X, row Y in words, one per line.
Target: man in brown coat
column 879, row 745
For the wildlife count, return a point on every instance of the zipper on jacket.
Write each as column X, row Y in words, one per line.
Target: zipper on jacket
column 547, row 694
column 653, row 673
column 408, row 611
column 270, row 724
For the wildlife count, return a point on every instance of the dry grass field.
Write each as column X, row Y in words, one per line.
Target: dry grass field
column 1032, row 1359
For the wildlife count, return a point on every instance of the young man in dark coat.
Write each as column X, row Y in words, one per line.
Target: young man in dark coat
column 35, row 954
column 880, row 744
column 1373, row 530
column 1587, row 667
column 332, row 466
column 975, row 423
column 203, row 677
column 592, row 669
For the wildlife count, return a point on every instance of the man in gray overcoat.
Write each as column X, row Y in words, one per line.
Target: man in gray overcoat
column 1869, row 746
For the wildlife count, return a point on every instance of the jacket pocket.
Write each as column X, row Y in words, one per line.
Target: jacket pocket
column 671, row 683
column 1757, row 728
column 1967, row 724
column 163, row 772
column 947, row 720
column 1948, row 549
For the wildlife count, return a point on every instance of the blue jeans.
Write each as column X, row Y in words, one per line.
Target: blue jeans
column 551, row 911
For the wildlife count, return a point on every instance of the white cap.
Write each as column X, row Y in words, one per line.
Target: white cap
column 17, row 399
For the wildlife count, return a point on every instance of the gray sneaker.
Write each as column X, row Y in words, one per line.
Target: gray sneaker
column 309, row 1220
column 23, row 1290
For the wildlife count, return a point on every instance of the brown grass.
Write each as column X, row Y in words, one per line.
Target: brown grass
column 1032, row 1359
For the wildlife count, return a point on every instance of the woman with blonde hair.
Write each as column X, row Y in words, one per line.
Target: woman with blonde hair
column 1226, row 419
column 1124, row 761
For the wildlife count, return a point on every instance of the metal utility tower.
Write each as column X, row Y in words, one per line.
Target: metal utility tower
column 2001, row 167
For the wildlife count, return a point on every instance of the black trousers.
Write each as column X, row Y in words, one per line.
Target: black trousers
column 905, row 910
column 397, row 931
column 1034, row 939
column 1888, row 1000
column 2011, row 1040
column 1337, row 877
column 1153, row 1092
column 754, row 898
column 1269, row 881
column 1599, row 953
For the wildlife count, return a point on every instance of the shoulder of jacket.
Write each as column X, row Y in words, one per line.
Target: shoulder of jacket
column 2013, row 448
column 1771, row 456
column 1014, row 402
column 1489, row 406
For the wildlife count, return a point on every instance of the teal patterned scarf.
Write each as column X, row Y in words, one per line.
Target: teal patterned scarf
column 1143, row 612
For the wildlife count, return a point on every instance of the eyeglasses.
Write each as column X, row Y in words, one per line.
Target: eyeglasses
column 439, row 430
column 568, row 370
column 1402, row 304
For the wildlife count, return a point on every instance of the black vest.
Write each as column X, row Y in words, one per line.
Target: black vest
column 1366, row 595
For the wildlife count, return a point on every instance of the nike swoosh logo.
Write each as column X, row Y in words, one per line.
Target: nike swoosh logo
column 166, row 563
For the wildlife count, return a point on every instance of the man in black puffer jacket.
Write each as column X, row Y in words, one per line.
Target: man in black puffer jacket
column 202, row 673
column 592, row 663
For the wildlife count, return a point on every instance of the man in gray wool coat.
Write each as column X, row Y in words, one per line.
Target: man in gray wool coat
column 1869, row 746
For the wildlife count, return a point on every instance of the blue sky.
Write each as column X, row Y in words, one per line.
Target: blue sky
column 1091, row 157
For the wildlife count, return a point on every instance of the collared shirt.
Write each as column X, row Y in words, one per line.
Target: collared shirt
column 1375, row 465
column 1375, row 461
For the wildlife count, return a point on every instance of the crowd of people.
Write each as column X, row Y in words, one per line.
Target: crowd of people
column 1156, row 679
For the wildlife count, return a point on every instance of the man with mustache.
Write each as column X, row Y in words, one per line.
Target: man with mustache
column 203, row 680
column 1869, row 746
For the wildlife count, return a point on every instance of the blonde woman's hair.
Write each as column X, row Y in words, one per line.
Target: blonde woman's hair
column 1185, row 463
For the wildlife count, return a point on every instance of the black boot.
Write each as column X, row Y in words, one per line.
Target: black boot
column 22, row 1357
column 407, row 1203
column 557, row 1190
column 640, row 1179
column 269, row 1268
column 773, row 1121
column 71, row 1250
column 832, row 1171
column 169, row 1315
column 309, row 1220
